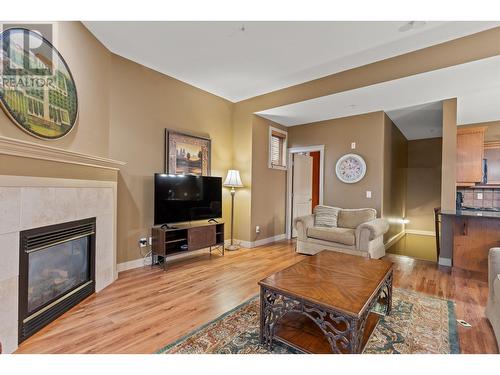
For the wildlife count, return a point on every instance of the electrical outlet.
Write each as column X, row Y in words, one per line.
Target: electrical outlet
column 353, row 145
column 257, row 229
column 368, row 194
column 479, row 196
column 150, row 241
column 143, row 242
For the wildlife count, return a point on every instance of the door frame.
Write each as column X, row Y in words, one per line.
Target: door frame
column 289, row 180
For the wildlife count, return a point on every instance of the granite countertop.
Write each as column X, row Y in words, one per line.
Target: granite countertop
column 471, row 213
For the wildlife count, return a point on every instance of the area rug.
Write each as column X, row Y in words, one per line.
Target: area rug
column 417, row 324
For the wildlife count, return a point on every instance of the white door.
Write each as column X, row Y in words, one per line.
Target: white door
column 301, row 187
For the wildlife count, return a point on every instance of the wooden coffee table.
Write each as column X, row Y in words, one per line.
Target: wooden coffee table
column 324, row 303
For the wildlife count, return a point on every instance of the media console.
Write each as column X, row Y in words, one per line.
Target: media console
column 183, row 239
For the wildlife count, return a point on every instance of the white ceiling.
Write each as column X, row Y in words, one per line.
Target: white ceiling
column 475, row 84
column 419, row 121
column 221, row 58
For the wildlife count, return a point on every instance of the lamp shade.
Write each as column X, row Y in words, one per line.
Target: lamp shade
column 233, row 178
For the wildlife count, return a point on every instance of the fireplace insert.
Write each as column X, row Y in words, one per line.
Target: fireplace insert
column 56, row 271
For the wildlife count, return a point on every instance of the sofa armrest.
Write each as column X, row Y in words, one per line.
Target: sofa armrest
column 373, row 228
column 301, row 224
column 493, row 266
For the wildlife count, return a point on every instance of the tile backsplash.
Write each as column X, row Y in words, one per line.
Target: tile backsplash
column 491, row 197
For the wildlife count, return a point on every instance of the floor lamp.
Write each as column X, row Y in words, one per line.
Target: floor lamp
column 233, row 180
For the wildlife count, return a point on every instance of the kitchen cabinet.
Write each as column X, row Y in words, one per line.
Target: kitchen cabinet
column 470, row 154
column 473, row 237
column 492, row 155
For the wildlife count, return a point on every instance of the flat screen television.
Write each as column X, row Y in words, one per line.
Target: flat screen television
column 186, row 198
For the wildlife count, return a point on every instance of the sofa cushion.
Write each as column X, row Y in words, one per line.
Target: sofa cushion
column 351, row 218
column 344, row 236
column 326, row 216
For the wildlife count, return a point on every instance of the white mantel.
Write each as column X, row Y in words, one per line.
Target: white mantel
column 30, row 202
column 17, row 147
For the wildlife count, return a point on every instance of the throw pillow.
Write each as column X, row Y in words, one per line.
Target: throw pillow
column 326, row 216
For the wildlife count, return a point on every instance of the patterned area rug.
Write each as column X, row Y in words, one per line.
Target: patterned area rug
column 418, row 324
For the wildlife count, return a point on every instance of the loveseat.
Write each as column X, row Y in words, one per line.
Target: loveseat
column 351, row 231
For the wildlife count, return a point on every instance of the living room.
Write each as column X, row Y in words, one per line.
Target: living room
column 173, row 170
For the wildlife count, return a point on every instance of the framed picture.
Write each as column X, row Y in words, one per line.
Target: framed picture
column 187, row 154
column 37, row 90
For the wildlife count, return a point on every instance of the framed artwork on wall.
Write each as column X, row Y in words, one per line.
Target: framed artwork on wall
column 37, row 90
column 187, row 154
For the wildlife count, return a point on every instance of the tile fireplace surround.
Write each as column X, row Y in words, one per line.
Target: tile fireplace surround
column 30, row 202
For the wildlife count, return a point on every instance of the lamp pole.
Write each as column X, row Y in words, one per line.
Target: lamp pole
column 233, row 181
column 233, row 192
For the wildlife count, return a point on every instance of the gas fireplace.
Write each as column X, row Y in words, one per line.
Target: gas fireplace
column 56, row 271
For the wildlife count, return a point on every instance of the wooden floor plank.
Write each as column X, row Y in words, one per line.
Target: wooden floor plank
column 146, row 308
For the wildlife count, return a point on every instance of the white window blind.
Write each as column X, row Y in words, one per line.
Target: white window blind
column 277, row 142
column 275, row 150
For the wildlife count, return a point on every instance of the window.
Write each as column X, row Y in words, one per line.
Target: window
column 277, row 148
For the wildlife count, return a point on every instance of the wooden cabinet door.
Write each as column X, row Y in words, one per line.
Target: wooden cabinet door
column 470, row 154
column 201, row 237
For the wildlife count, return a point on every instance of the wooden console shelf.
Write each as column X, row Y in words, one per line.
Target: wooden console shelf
column 181, row 239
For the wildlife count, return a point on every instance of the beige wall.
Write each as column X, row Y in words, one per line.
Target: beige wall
column 458, row 51
column 368, row 132
column 395, row 153
column 423, row 189
column 117, row 118
column 21, row 166
column 448, row 174
column 123, row 110
column 89, row 63
column 143, row 104
column 268, row 185
column 449, row 155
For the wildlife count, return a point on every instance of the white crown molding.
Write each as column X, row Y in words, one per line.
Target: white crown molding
column 16, row 147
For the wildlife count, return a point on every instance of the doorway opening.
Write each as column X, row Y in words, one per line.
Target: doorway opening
column 304, row 183
column 414, row 195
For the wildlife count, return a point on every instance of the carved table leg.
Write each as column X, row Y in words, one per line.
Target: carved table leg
column 262, row 316
column 267, row 317
column 389, row 294
column 357, row 334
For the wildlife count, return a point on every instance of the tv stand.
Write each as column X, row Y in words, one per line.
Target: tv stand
column 167, row 226
column 183, row 239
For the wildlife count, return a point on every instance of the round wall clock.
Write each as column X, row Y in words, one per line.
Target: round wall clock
column 37, row 90
column 350, row 168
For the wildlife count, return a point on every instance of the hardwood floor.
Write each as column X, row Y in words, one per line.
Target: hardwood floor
column 146, row 308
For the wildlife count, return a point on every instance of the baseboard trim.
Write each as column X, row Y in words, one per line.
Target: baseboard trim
column 421, row 232
column 141, row 262
column 131, row 264
column 394, row 239
column 136, row 263
column 265, row 241
column 252, row 244
column 240, row 243
column 445, row 262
